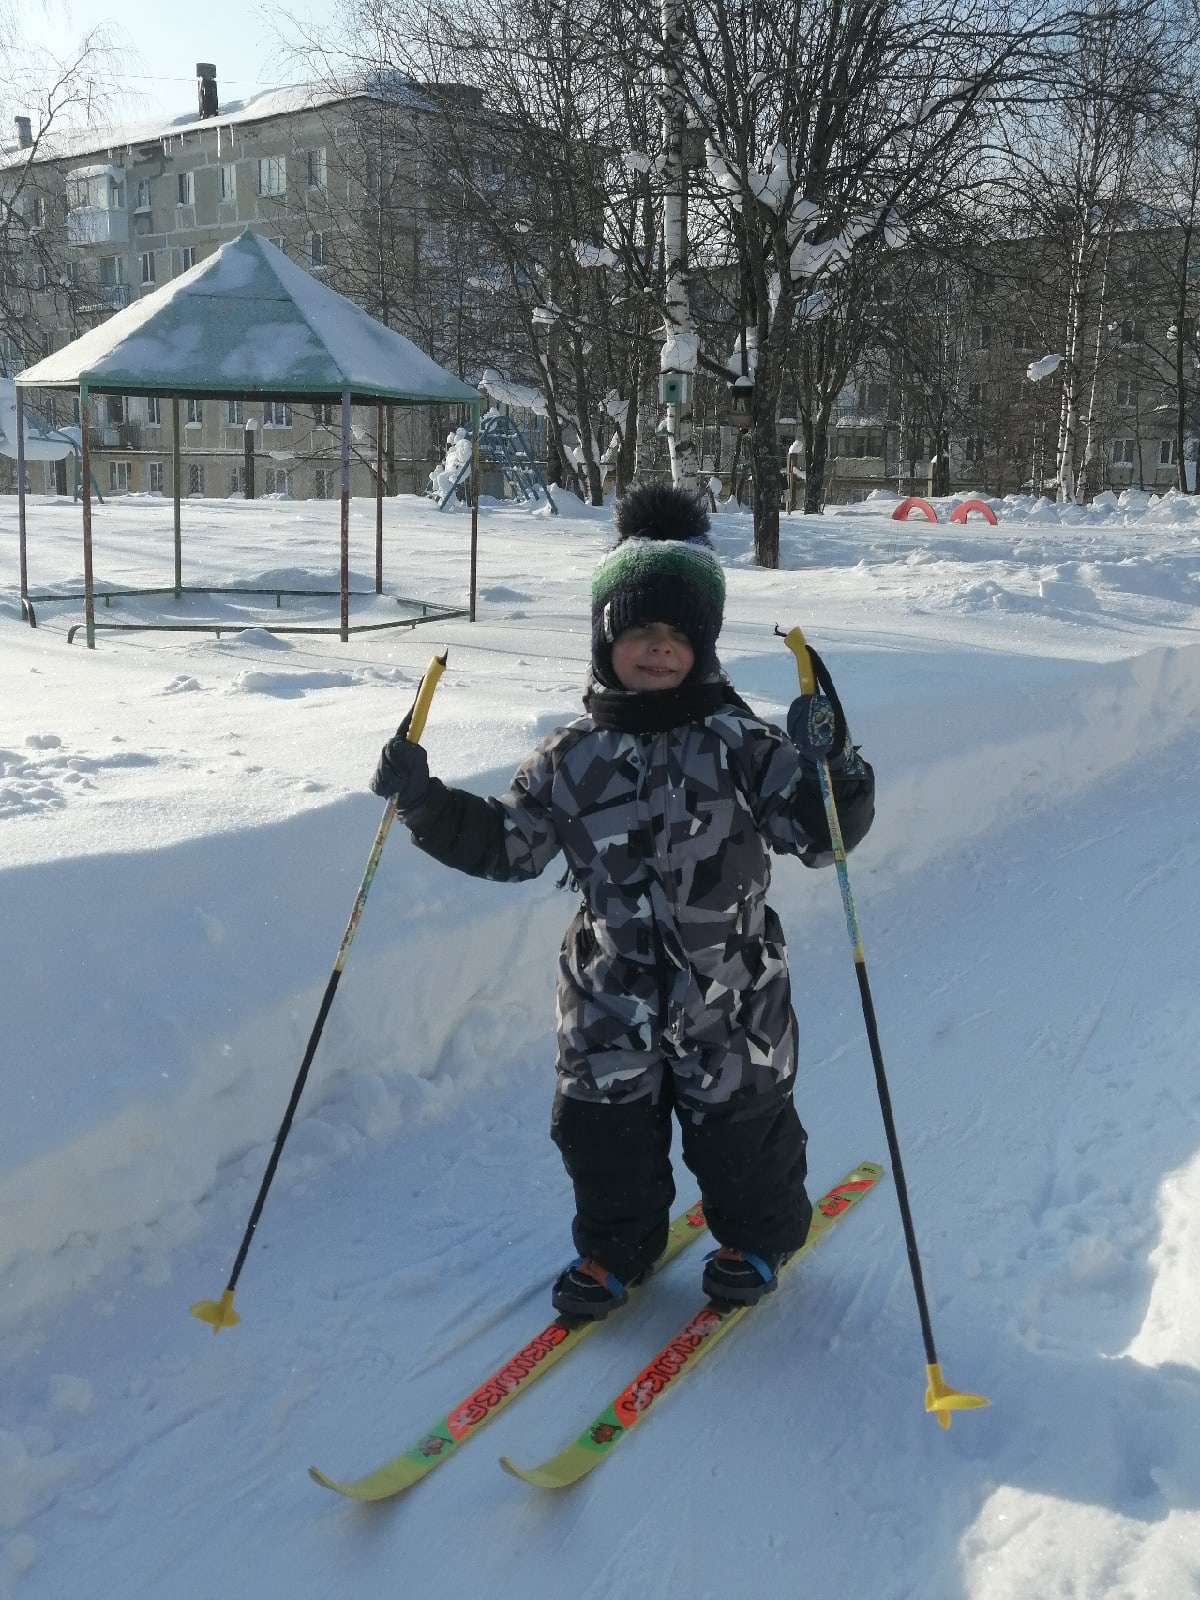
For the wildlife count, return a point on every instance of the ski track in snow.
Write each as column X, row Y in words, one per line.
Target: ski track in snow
column 183, row 827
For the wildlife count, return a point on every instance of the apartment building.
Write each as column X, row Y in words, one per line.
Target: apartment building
column 972, row 401
column 112, row 217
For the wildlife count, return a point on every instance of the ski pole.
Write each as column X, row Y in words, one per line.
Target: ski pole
column 939, row 1397
column 220, row 1313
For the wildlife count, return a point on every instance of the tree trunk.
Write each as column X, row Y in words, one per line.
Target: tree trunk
column 816, row 459
column 764, row 452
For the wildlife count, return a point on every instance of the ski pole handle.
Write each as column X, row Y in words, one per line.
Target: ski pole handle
column 796, row 643
column 420, row 710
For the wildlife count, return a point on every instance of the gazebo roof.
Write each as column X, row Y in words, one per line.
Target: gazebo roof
column 247, row 321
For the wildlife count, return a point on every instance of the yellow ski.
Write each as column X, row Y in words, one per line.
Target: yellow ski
column 711, row 1323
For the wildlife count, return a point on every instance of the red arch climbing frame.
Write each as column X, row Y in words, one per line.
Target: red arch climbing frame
column 962, row 512
column 913, row 503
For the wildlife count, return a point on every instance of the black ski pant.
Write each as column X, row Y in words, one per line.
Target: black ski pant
column 750, row 1168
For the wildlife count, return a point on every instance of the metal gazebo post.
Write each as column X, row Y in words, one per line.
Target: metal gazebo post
column 474, row 503
column 177, row 473
column 85, row 467
column 379, row 497
column 21, row 493
column 345, row 629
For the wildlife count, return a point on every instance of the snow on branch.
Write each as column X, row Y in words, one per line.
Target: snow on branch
column 594, row 255
column 1042, row 368
column 680, row 352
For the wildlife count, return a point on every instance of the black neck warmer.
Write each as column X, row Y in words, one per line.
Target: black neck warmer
column 657, row 710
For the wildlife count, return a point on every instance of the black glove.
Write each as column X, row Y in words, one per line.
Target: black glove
column 403, row 771
column 816, row 725
column 812, row 725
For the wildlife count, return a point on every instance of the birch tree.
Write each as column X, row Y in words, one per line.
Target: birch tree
column 1075, row 160
column 837, row 132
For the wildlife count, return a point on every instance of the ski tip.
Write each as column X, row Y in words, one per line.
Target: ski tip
column 539, row 1477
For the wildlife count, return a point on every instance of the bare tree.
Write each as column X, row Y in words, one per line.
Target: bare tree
column 1169, row 249
column 42, row 97
column 1075, row 166
column 837, row 132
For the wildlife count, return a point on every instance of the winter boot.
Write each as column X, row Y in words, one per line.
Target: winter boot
column 587, row 1289
column 739, row 1277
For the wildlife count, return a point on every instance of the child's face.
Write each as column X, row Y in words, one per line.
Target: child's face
column 652, row 656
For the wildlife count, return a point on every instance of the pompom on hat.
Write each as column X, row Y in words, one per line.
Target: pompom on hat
column 663, row 568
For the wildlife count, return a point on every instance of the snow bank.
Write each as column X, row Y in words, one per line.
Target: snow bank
column 190, row 1002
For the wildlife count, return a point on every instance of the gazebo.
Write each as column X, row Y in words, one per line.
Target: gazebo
column 246, row 323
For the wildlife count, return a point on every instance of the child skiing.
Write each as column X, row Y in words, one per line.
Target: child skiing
column 673, row 988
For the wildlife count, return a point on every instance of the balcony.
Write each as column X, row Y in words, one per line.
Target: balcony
column 104, row 297
column 97, row 225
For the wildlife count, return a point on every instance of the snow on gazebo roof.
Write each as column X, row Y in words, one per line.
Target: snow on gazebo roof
column 247, row 321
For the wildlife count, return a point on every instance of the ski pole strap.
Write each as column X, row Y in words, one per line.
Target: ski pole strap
column 822, row 676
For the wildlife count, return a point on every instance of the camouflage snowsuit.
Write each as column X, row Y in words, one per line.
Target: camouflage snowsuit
column 673, row 987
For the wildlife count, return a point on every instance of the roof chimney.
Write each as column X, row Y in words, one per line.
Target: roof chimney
column 206, row 88
column 24, row 131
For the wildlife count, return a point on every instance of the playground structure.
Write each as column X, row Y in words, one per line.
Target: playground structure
column 961, row 512
column 503, row 449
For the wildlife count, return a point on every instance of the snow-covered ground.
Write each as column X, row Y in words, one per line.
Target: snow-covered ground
column 184, row 822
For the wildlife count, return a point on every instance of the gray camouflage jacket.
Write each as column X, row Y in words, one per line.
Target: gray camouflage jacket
column 674, row 961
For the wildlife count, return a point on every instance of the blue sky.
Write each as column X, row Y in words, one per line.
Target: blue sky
column 161, row 44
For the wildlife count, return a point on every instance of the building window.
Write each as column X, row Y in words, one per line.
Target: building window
column 318, row 249
column 154, row 411
column 186, row 188
column 1023, row 338
column 973, row 450
column 187, row 257
column 325, row 483
column 235, row 413
column 1123, row 452
column 280, row 243
column 156, row 477
column 195, row 413
column 975, row 393
column 120, row 477
column 272, row 174
column 237, row 480
column 323, row 414
column 112, row 271
column 279, row 481
column 1167, row 455
column 316, row 168
column 229, row 182
column 981, row 337
column 143, row 195
column 99, row 190
column 148, row 272
column 195, row 478
column 1132, row 332
column 277, row 414
column 1125, row 392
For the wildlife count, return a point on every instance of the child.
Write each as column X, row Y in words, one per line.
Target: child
column 673, row 990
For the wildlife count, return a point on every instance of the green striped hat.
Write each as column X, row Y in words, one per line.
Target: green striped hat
column 662, row 569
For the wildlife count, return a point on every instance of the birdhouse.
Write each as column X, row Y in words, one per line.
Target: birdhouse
column 741, row 401
column 675, row 388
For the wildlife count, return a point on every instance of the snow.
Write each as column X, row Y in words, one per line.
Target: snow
column 244, row 319
column 184, row 823
column 40, row 444
column 1042, row 368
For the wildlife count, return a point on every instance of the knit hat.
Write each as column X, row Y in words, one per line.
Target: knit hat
column 662, row 569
